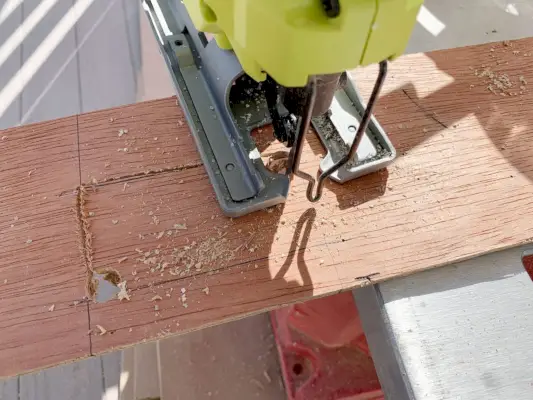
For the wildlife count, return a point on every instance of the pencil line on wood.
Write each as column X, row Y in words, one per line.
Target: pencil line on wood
column 138, row 175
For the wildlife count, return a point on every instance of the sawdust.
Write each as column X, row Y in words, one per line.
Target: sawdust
column 500, row 83
column 276, row 162
column 212, row 252
column 497, row 83
column 123, row 294
column 102, row 330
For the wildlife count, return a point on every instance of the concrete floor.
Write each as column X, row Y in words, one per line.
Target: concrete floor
column 61, row 57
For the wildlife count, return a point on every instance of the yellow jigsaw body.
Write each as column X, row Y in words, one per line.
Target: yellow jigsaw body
column 293, row 39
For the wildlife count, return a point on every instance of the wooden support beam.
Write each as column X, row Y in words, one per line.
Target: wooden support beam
column 461, row 187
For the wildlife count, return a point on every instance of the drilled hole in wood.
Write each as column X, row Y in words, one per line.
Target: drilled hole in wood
column 105, row 283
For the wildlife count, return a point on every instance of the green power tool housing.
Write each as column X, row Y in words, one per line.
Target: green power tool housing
column 280, row 62
column 291, row 40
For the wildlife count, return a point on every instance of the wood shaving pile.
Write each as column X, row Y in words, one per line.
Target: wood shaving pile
column 501, row 84
column 276, row 162
column 497, row 83
column 212, row 252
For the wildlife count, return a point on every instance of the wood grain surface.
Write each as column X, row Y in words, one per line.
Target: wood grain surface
column 41, row 274
column 461, row 187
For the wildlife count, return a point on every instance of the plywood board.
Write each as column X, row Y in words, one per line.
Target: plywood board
column 461, row 187
column 43, row 319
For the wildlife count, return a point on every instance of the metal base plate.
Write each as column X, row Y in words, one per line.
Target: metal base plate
column 337, row 132
column 204, row 77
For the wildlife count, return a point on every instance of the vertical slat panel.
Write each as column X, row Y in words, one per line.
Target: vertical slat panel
column 132, row 14
column 53, row 90
column 111, row 371
column 153, row 78
column 77, row 381
column 127, row 375
column 10, row 20
column 9, row 389
column 106, row 71
column 146, row 383
column 237, row 360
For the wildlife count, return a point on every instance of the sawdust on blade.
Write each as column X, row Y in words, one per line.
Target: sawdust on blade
column 276, row 162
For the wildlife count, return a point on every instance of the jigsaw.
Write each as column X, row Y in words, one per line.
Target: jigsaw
column 284, row 63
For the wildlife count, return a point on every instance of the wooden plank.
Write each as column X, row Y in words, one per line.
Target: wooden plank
column 157, row 138
column 461, row 187
column 41, row 274
column 80, row 380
